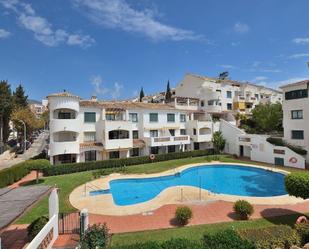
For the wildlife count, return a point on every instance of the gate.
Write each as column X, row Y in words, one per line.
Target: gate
column 69, row 223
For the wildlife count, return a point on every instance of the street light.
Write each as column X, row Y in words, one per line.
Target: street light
column 25, row 132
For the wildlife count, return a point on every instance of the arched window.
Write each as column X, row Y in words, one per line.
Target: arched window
column 118, row 134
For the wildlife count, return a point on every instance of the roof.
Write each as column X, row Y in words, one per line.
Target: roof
column 63, row 94
column 231, row 82
column 14, row 202
column 138, row 143
column 296, row 83
column 127, row 105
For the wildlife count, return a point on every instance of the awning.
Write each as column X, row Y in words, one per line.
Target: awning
column 138, row 143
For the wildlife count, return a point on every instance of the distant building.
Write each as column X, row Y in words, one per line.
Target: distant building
column 296, row 114
column 38, row 108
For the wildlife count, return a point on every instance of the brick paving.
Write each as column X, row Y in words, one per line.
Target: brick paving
column 215, row 212
column 26, row 179
column 14, row 237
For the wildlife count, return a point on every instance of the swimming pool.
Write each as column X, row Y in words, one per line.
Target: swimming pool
column 219, row 178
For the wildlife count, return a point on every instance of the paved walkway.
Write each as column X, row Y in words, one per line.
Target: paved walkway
column 35, row 149
column 14, row 237
column 26, row 179
column 214, row 212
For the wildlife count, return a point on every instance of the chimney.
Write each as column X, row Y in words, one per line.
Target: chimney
column 94, row 98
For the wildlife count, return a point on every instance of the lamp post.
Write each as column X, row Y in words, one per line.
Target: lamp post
column 25, row 134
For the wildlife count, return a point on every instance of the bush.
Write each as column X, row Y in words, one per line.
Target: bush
column 281, row 236
column 226, row 239
column 169, row 244
column 38, row 164
column 183, row 215
column 115, row 163
column 297, row 184
column 96, row 236
column 36, row 226
column 243, row 208
column 303, row 232
column 280, row 142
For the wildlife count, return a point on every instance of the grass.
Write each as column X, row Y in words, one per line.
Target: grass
column 195, row 233
column 67, row 183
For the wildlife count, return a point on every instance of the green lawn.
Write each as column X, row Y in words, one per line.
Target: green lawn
column 197, row 232
column 67, row 183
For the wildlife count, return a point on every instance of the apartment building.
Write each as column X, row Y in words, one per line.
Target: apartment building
column 296, row 114
column 216, row 96
column 38, row 108
column 87, row 130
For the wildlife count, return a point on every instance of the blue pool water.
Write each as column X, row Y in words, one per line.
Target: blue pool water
column 220, row 179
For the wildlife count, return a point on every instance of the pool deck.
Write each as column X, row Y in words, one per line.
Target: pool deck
column 185, row 195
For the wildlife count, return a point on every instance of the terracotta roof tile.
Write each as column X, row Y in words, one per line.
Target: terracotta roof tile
column 90, row 144
column 138, row 143
column 62, row 94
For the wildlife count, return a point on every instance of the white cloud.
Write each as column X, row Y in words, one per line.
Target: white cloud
column 227, row 66
column 4, row 33
column 241, row 27
column 297, row 56
column 301, row 40
column 118, row 14
column 100, row 89
column 42, row 29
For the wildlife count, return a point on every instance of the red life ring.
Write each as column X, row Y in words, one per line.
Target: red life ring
column 152, row 156
column 293, row 160
column 302, row 219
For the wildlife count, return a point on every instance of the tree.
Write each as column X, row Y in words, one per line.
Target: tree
column 141, row 95
column 268, row 117
column 19, row 97
column 5, row 107
column 168, row 93
column 224, row 75
column 218, row 142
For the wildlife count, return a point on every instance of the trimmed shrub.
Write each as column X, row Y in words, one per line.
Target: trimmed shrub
column 115, row 163
column 183, row 215
column 303, row 232
column 95, row 236
column 36, row 226
column 281, row 236
column 38, row 164
column 243, row 208
column 226, row 239
column 297, row 184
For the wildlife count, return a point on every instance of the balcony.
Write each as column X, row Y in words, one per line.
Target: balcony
column 239, row 99
column 58, row 148
column 110, row 125
column 57, row 125
column 213, row 108
column 166, row 141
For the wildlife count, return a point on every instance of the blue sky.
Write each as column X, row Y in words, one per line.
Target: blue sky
column 113, row 47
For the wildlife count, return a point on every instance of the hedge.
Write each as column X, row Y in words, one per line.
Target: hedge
column 280, row 142
column 115, row 163
column 15, row 173
column 281, row 236
column 297, row 184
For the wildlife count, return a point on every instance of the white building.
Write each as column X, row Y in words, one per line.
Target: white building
column 86, row 130
column 296, row 114
column 216, row 96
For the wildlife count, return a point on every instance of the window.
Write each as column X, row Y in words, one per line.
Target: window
column 154, row 133
column 229, row 106
column 90, row 155
column 202, row 103
column 154, row 150
column 153, row 117
column 256, row 96
column 114, row 154
column 65, row 115
column 134, row 152
column 89, row 136
column 297, row 134
column 118, row 134
column 133, row 117
column 296, row 94
column 171, row 149
column 66, row 158
column 183, row 132
column 170, row 117
column 229, row 94
column 172, row 132
column 194, row 131
column 182, row 117
column 89, row 117
column 110, row 117
column 297, row 114
column 219, row 91
column 135, row 134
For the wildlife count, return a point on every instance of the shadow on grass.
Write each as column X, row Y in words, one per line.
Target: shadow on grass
column 32, row 182
column 281, row 216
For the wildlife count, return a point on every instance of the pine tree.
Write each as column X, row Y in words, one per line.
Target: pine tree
column 19, row 97
column 141, row 95
column 5, row 107
column 168, row 93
